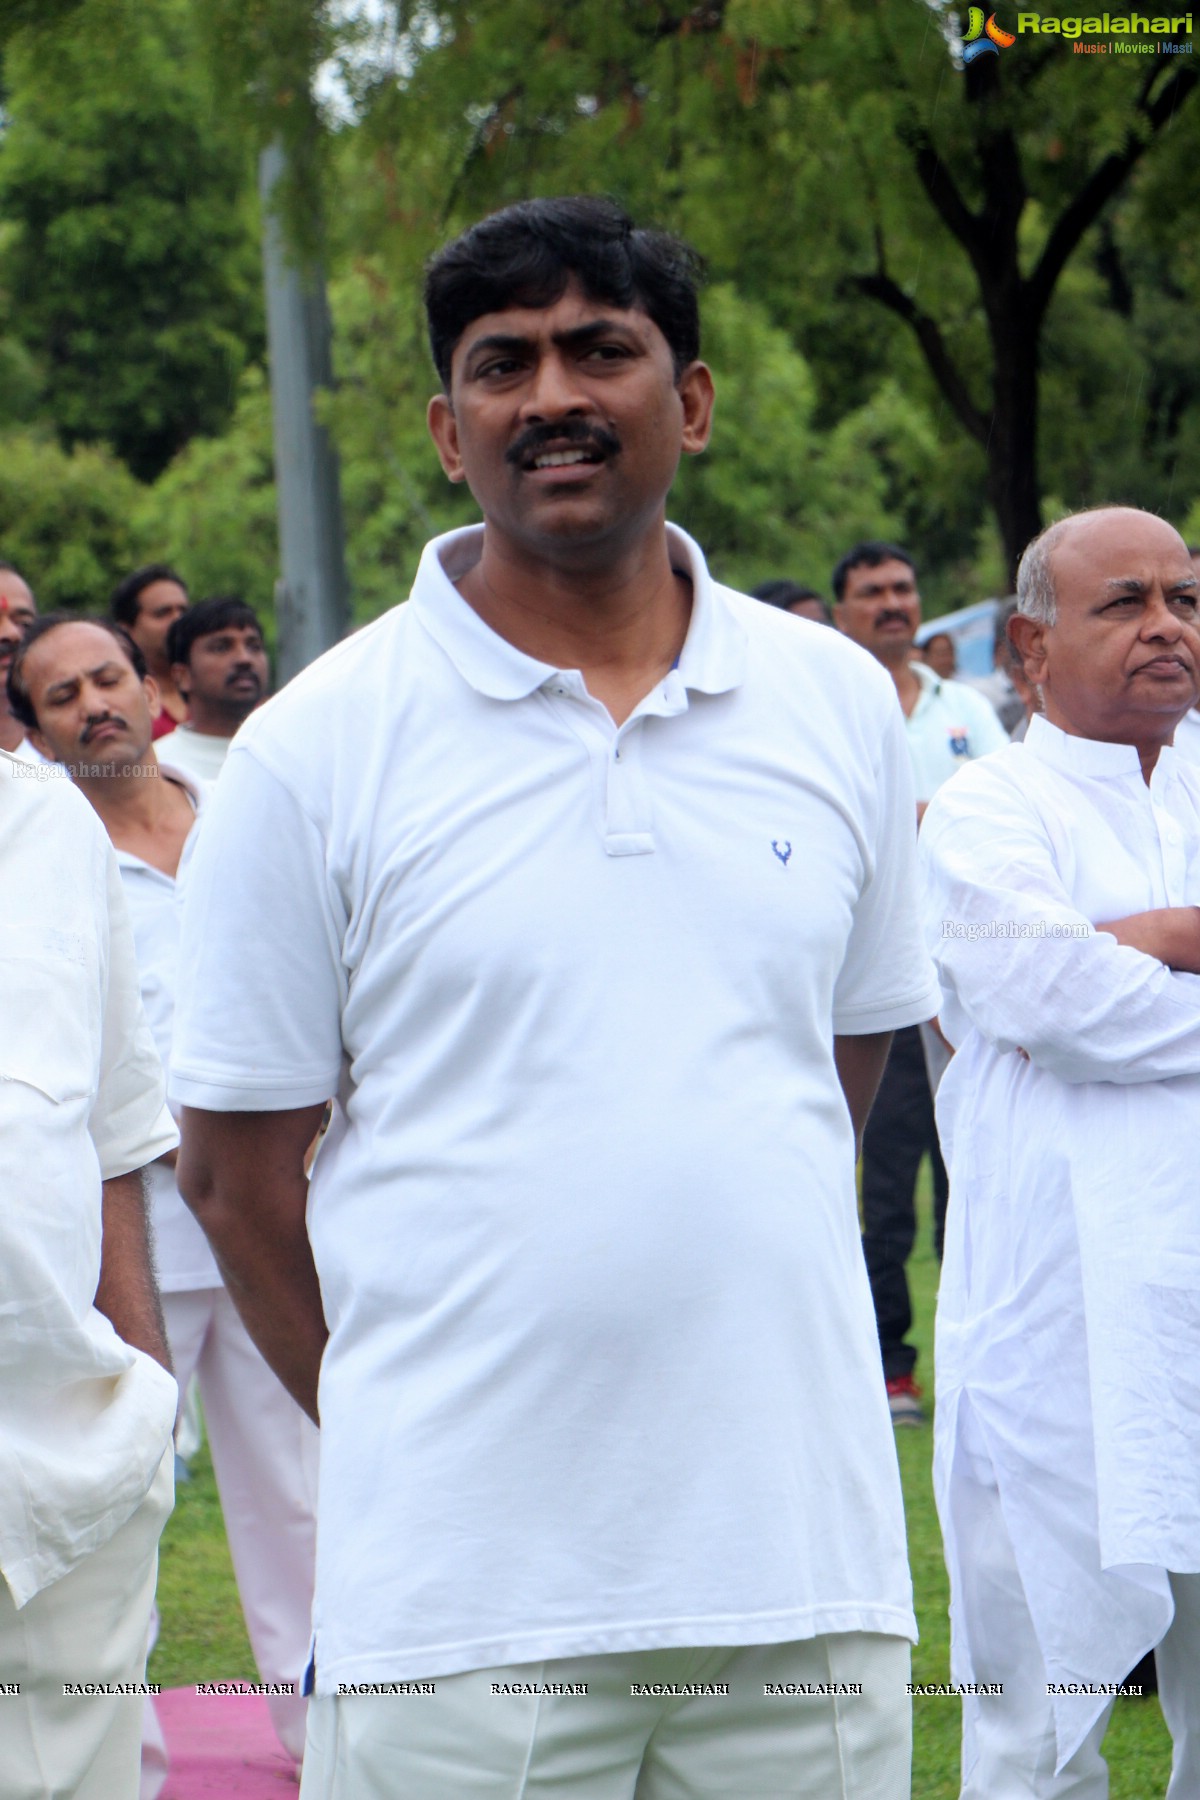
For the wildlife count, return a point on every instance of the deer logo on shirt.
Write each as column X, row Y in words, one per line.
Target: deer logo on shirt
column 782, row 851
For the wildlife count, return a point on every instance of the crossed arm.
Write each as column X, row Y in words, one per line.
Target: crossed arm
column 1171, row 934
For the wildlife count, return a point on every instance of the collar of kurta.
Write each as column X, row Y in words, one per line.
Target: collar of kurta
column 1088, row 756
column 712, row 661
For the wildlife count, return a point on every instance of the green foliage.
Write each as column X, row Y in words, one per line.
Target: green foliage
column 130, row 270
column 394, row 493
column 212, row 513
column 65, row 519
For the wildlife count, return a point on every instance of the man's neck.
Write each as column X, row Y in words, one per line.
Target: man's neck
column 204, row 724
column 622, row 625
column 144, row 812
column 1148, row 749
column 908, row 682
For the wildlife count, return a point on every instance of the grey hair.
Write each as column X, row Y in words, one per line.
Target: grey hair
column 1035, row 582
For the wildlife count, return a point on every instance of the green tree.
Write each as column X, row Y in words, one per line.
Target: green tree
column 130, row 265
column 65, row 519
column 832, row 162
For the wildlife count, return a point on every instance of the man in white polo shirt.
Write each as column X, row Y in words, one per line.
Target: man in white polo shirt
column 86, row 1396
column 577, row 880
column 83, row 689
column 946, row 725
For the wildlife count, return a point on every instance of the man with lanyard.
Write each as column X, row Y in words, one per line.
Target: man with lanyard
column 946, row 725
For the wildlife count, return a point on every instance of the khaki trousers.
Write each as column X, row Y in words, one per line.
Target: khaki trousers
column 466, row 1741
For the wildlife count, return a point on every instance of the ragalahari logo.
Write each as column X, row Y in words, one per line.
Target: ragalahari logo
column 984, row 37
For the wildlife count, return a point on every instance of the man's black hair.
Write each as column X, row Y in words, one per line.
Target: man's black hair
column 868, row 554
column 527, row 254
column 125, row 601
column 203, row 620
column 784, row 593
column 18, row 691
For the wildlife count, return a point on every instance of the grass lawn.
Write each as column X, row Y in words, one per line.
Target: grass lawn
column 201, row 1637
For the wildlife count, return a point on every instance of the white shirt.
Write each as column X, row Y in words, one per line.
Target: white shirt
column 28, row 752
column 195, row 753
column 1187, row 736
column 1069, row 1312
column 603, row 1372
column 84, row 1418
column 949, row 726
column 182, row 1256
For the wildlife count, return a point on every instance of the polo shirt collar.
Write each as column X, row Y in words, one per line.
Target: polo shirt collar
column 712, row 660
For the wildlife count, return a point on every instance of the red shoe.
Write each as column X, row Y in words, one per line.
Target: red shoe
column 904, row 1401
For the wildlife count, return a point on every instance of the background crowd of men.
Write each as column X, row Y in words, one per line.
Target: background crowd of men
column 513, row 1157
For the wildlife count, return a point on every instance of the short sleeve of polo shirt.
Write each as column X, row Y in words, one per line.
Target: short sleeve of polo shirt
column 130, row 1124
column 258, row 1009
column 887, row 980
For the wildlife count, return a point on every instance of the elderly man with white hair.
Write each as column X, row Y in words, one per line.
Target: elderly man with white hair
column 1062, row 894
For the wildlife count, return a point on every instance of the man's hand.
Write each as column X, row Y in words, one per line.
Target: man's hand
column 243, row 1175
column 1169, row 933
column 860, row 1063
column 128, row 1293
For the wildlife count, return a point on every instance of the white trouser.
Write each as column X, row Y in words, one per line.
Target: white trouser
column 264, row 1452
column 89, row 1626
column 466, row 1741
column 1009, row 1748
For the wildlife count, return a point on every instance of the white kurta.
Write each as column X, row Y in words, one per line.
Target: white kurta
column 1069, row 1313
column 84, row 1417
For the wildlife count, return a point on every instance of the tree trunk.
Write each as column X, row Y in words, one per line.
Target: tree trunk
column 1012, row 478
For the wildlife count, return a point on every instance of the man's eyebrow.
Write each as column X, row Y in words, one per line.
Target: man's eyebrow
column 1124, row 584
column 70, row 681
column 576, row 338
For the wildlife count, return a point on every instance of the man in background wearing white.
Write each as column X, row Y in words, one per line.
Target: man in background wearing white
column 1062, row 901
column 18, row 610
column 219, row 664
column 83, row 688
column 946, row 725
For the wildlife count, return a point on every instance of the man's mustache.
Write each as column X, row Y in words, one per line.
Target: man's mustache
column 892, row 618
column 575, row 432
column 93, row 726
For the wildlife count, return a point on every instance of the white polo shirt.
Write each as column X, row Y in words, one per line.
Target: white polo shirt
column 183, row 1258
column 602, row 1372
column 950, row 725
column 84, row 1418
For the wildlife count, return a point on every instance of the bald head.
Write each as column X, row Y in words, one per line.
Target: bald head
column 1036, row 597
column 1107, row 626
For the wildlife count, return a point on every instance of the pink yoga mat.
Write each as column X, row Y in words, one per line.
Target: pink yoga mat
column 222, row 1747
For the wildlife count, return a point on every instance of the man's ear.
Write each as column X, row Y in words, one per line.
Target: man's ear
column 1028, row 638
column 181, row 676
column 153, row 697
column 443, row 429
column 698, row 396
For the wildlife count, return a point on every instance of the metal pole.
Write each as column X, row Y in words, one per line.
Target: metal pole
column 311, row 597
